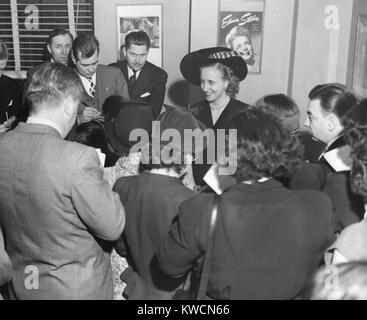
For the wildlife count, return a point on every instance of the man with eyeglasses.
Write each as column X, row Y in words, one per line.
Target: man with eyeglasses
column 99, row 81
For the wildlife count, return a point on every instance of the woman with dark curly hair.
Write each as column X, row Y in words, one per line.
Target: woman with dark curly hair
column 268, row 238
column 351, row 244
column 218, row 72
column 310, row 175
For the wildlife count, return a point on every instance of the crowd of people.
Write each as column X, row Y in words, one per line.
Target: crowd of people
column 106, row 193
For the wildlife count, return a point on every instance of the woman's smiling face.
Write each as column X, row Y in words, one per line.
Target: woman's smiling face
column 212, row 83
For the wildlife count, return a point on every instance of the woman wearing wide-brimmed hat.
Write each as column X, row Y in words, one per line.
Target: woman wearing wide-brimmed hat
column 218, row 72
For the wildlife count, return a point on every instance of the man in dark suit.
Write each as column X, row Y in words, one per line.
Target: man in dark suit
column 328, row 106
column 59, row 44
column 56, row 210
column 147, row 82
column 99, row 81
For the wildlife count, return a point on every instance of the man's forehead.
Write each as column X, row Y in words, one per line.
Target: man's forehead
column 91, row 60
column 134, row 48
column 62, row 38
column 314, row 107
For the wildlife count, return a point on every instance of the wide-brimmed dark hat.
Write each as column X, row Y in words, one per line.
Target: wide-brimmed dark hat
column 191, row 63
column 132, row 115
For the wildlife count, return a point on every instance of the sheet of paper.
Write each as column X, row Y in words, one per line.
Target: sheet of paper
column 101, row 156
column 218, row 183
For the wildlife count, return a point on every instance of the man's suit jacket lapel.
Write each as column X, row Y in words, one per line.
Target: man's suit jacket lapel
column 142, row 82
column 336, row 144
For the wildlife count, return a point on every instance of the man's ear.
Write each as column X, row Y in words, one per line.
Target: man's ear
column 69, row 106
column 124, row 51
column 333, row 122
column 49, row 49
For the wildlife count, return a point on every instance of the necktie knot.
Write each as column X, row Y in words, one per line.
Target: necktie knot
column 133, row 75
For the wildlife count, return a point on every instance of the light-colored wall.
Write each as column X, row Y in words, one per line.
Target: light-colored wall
column 321, row 54
column 278, row 19
column 360, row 8
column 175, row 33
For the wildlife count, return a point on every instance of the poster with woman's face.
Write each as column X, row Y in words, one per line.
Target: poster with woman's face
column 242, row 32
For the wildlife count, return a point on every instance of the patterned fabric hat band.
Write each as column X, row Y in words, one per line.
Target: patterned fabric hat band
column 191, row 63
column 224, row 55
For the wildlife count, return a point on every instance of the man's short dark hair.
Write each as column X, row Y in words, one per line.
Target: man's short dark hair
column 139, row 38
column 334, row 98
column 86, row 44
column 57, row 32
column 51, row 84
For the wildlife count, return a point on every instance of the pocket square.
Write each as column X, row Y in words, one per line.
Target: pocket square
column 144, row 95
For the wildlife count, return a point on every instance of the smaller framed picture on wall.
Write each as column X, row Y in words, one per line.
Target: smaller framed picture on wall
column 360, row 60
column 142, row 17
column 240, row 28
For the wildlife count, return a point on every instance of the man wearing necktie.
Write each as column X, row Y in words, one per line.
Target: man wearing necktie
column 99, row 81
column 146, row 81
column 132, row 81
column 328, row 106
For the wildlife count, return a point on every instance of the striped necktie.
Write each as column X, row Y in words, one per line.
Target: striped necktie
column 92, row 87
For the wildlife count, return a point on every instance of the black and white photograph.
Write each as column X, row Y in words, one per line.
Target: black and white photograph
column 180, row 157
column 242, row 31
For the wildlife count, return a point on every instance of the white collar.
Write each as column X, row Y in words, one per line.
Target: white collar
column 46, row 122
column 130, row 72
column 339, row 158
column 86, row 81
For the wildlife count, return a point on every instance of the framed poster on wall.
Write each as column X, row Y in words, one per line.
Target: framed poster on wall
column 360, row 60
column 240, row 28
column 142, row 17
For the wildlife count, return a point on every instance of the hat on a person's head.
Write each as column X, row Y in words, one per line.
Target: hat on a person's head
column 191, row 63
column 184, row 123
column 132, row 115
